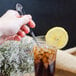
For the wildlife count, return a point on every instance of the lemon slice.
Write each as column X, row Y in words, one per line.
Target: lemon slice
column 57, row 36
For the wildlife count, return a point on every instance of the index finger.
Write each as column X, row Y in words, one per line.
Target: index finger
column 31, row 24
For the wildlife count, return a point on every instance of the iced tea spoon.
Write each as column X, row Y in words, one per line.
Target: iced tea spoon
column 19, row 8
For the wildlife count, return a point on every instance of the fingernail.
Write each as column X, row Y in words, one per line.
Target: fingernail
column 31, row 24
column 21, row 33
column 17, row 38
column 27, row 30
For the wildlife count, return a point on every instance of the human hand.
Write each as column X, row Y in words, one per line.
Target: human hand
column 13, row 26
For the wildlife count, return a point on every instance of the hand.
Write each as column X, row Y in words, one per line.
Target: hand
column 13, row 26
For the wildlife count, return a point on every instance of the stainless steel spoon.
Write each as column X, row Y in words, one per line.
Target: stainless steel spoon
column 19, row 8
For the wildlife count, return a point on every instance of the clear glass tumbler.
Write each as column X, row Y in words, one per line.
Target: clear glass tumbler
column 44, row 59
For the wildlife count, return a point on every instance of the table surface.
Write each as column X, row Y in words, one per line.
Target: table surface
column 57, row 73
column 64, row 73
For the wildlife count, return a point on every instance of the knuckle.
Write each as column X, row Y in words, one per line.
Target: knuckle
column 14, row 12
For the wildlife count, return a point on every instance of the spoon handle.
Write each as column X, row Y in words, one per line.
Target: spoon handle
column 19, row 8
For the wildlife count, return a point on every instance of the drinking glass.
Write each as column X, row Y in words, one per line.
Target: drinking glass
column 44, row 59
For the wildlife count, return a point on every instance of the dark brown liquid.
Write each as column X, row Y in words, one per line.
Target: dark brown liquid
column 3, row 74
column 40, row 69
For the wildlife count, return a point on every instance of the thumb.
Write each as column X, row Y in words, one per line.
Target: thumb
column 24, row 19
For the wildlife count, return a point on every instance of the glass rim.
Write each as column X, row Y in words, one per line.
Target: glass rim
column 42, row 42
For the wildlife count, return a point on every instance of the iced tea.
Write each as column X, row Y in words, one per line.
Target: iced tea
column 44, row 60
